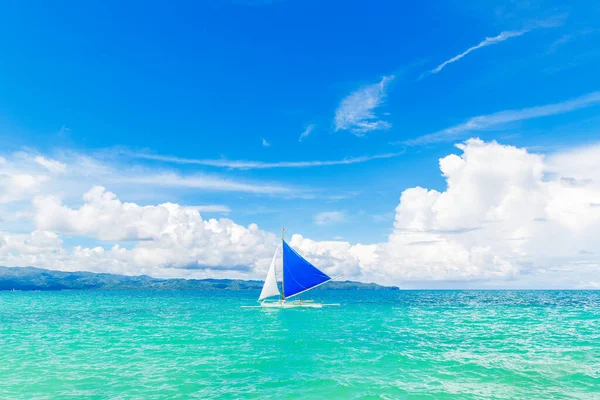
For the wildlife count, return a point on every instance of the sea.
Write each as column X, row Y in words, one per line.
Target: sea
column 376, row 345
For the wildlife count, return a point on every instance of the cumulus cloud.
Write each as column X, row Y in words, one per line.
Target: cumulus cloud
column 356, row 112
column 21, row 176
column 500, row 216
column 507, row 218
column 16, row 186
column 581, row 162
column 45, row 249
column 168, row 235
column 104, row 217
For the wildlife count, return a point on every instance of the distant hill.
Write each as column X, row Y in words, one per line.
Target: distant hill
column 30, row 278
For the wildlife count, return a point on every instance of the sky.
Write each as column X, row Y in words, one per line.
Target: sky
column 445, row 145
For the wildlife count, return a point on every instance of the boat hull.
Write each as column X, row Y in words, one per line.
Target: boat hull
column 291, row 304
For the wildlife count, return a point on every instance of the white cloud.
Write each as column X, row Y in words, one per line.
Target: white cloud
column 241, row 164
column 17, row 186
column 590, row 285
column 45, row 250
column 329, row 217
column 23, row 175
column 507, row 218
column 224, row 249
column 484, row 43
column 20, row 177
column 104, row 217
column 356, row 112
column 51, row 165
column 167, row 235
column 210, row 208
column 306, row 132
column 560, row 42
column 500, row 216
column 580, row 162
column 265, row 143
column 503, row 117
column 205, row 182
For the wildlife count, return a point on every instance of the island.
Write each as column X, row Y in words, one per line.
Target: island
column 31, row 278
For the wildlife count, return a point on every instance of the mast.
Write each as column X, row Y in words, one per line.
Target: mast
column 282, row 267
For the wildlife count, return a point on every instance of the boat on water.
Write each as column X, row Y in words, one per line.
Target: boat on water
column 299, row 276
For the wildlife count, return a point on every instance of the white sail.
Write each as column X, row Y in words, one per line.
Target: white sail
column 270, row 288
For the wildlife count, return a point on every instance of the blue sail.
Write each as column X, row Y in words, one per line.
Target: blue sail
column 298, row 274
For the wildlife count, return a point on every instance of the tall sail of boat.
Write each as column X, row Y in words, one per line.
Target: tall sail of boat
column 299, row 276
column 270, row 287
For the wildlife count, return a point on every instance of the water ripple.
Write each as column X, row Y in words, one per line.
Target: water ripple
column 380, row 345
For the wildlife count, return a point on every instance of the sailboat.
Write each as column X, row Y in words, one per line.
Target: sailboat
column 299, row 276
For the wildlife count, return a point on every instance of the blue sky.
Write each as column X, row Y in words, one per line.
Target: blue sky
column 151, row 86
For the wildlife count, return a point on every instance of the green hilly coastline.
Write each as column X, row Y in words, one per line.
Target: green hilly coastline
column 30, row 278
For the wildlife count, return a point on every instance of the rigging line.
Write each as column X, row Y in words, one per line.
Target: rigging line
column 322, row 283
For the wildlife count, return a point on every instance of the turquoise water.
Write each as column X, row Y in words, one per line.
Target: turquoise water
column 377, row 345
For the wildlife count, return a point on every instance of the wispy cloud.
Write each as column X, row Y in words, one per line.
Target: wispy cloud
column 503, row 117
column 550, row 22
column 329, row 217
column 51, row 165
column 240, row 164
column 306, row 132
column 30, row 173
column 356, row 112
column 560, row 42
column 265, row 143
column 211, row 208
column 205, row 182
column 484, row 43
column 568, row 38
